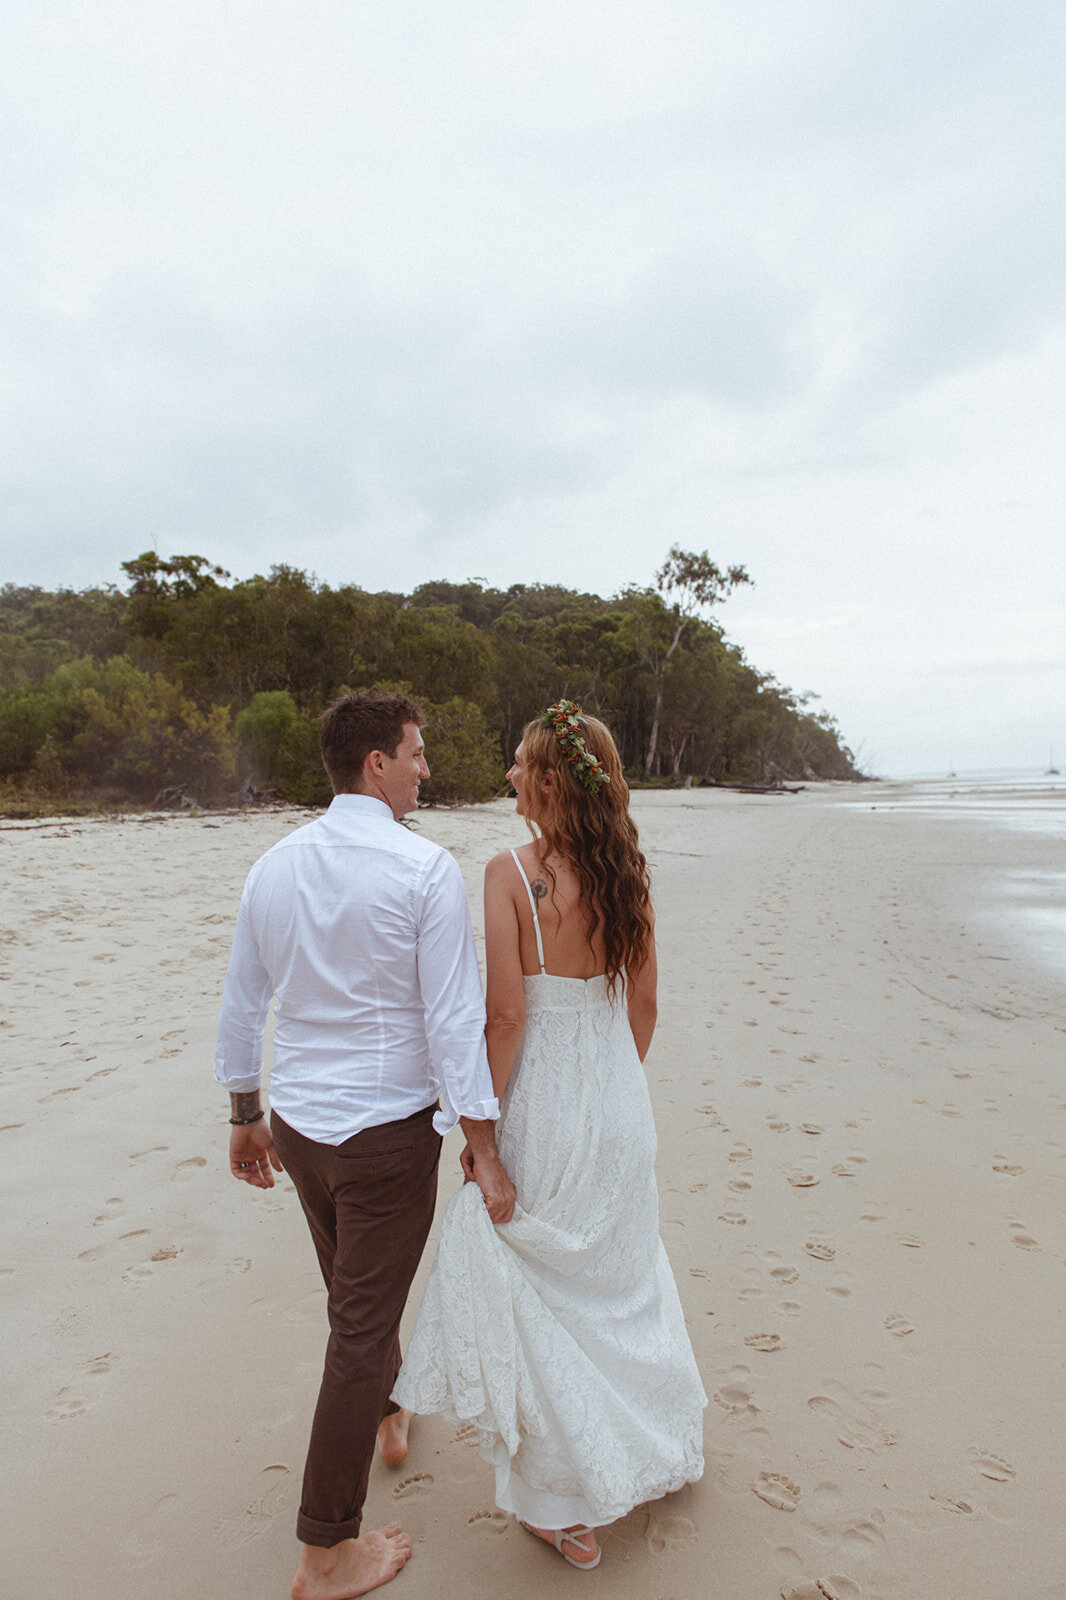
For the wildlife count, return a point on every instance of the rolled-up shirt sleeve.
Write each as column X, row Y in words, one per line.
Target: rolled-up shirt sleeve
column 246, row 999
column 454, row 1005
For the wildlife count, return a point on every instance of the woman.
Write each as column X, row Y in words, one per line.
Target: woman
column 559, row 1335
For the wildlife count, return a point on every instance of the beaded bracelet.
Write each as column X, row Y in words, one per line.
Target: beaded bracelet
column 245, row 1122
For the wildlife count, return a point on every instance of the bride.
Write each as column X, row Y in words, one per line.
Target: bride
column 559, row 1334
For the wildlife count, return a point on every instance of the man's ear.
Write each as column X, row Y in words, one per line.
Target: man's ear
column 374, row 765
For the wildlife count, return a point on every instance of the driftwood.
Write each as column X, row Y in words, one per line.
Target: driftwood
column 176, row 798
column 755, row 788
column 250, row 794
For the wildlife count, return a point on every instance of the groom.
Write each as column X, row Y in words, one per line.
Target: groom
column 362, row 931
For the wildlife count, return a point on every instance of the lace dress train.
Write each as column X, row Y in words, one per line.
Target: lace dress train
column 559, row 1335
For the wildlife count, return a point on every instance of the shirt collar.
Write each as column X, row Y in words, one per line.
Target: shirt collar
column 364, row 804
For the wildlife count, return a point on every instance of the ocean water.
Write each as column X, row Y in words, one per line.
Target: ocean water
column 1026, row 904
column 1033, row 802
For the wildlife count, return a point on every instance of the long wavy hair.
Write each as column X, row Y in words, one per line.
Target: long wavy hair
column 595, row 833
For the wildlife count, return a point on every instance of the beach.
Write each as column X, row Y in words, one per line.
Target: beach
column 861, row 1104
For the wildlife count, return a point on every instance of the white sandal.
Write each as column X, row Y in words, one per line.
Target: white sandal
column 563, row 1536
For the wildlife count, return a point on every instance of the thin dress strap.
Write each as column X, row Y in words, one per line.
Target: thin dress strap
column 533, row 908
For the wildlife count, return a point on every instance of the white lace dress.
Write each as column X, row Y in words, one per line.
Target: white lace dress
column 559, row 1335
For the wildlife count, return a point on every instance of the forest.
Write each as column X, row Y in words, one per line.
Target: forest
column 184, row 685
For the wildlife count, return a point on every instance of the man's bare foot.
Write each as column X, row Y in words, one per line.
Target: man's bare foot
column 580, row 1551
column 392, row 1437
column 353, row 1567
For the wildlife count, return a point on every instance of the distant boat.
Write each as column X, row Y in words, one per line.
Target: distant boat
column 1052, row 771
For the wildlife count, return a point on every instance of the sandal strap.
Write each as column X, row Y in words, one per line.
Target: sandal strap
column 562, row 1537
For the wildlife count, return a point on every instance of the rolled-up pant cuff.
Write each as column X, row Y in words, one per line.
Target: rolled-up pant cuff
column 326, row 1534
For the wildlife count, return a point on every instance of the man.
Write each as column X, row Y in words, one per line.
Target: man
column 362, row 931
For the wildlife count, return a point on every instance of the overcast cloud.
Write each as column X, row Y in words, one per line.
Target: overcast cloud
column 402, row 291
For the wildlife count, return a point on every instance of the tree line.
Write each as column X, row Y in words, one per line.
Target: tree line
column 187, row 677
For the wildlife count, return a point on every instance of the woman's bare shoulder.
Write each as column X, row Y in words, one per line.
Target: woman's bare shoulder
column 499, row 865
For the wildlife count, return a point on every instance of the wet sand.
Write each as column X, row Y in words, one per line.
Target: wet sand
column 859, row 1089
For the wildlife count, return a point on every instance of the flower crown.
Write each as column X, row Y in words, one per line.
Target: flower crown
column 563, row 720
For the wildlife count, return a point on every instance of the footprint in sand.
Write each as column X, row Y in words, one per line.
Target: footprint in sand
column 767, row 1342
column 811, row 1127
column 955, row 1504
column 99, row 1251
column 418, row 1483
column 858, row 1427
column 489, row 1521
column 739, row 1152
column 775, row 1125
column 784, row 1274
column 991, row 1466
column 832, row 1588
column 467, row 1435
column 911, row 1241
column 70, row 1402
column 698, row 1272
column 1005, row 1166
column 163, row 1527
column 898, row 1324
column 777, row 1490
column 737, row 1218
column 802, row 1180
column 736, row 1399
column 67, row 1405
column 1024, row 1241
column 156, row 1150
column 663, row 1531
column 264, row 1508
column 820, row 1251
column 186, row 1169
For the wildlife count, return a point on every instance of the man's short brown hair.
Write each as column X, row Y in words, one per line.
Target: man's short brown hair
column 356, row 724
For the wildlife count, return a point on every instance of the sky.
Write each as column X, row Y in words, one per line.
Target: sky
column 410, row 290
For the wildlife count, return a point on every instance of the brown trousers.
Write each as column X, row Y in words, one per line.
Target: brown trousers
column 369, row 1204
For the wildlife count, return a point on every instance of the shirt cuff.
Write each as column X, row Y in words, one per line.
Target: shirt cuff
column 446, row 1118
column 242, row 1085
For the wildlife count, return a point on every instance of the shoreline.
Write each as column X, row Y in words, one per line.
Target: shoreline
column 862, row 1135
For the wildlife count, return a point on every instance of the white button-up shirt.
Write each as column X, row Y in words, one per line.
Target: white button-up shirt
column 362, row 931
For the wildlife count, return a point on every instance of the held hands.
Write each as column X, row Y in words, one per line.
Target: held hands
column 252, row 1154
column 486, row 1170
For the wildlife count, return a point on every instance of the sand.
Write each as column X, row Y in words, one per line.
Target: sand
column 859, row 1089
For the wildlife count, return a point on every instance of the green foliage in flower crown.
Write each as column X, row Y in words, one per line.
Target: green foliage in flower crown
column 562, row 719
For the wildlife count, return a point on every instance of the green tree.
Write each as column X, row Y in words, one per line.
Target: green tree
column 698, row 584
column 463, row 754
column 268, row 734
